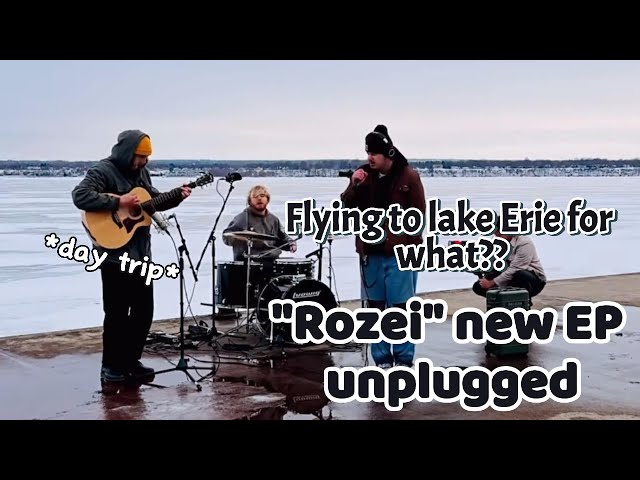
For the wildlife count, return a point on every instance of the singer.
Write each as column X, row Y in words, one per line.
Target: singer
column 386, row 179
column 127, row 302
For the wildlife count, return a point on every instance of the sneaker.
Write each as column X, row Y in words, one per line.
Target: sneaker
column 110, row 375
column 385, row 366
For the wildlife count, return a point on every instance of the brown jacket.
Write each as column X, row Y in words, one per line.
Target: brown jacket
column 406, row 190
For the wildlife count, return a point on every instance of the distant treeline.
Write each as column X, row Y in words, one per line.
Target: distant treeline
column 329, row 164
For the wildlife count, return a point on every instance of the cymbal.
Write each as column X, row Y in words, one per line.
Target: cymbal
column 338, row 237
column 248, row 234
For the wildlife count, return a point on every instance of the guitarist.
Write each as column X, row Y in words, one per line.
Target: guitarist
column 127, row 302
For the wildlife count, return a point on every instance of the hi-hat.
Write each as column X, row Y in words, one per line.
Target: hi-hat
column 247, row 234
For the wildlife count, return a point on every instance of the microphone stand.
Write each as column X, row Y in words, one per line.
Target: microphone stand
column 212, row 240
column 183, row 362
column 320, row 262
column 318, row 253
column 330, row 265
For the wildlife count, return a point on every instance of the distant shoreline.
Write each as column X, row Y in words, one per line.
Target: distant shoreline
column 342, row 168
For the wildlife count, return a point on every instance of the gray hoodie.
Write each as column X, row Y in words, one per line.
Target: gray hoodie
column 115, row 175
column 268, row 224
column 523, row 256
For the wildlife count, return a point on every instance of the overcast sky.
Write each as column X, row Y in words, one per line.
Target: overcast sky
column 227, row 110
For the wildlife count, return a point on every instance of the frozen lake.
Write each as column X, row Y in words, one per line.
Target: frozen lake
column 44, row 292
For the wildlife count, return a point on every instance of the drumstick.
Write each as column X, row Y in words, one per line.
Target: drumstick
column 279, row 248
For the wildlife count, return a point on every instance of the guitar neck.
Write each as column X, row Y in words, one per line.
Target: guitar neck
column 163, row 197
column 176, row 192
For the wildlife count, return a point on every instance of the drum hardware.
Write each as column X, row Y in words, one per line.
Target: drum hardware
column 247, row 236
column 318, row 253
column 289, row 278
column 227, row 282
column 248, row 281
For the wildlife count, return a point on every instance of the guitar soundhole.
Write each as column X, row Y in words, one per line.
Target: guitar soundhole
column 135, row 211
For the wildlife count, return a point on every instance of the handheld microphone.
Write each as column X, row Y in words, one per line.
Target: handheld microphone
column 347, row 174
column 233, row 177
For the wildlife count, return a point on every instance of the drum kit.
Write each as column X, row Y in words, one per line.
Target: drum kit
column 265, row 280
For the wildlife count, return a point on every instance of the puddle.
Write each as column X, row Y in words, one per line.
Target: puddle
column 282, row 413
column 298, row 381
column 299, row 378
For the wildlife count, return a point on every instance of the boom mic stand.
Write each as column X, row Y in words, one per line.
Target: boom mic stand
column 183, row 362
column 212, row 240
column 317, row 253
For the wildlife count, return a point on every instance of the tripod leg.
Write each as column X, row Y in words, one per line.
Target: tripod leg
column 182, row 367
column 193, row 380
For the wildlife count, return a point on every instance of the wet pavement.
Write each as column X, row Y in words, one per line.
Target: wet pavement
column 56, row 376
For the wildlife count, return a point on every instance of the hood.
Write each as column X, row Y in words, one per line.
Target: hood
column 122, row 152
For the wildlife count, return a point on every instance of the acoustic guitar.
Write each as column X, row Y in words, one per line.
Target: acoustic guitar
column 114, row 229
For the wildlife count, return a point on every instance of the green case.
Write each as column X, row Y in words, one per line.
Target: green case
column 509, row 298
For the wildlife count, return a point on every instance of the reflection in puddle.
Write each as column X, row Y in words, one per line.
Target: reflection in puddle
column 299, row 378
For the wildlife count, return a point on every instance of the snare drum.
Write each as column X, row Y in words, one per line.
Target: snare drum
column 293, row 267
column 231, row 282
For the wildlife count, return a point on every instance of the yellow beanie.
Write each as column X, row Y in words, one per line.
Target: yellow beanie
column 144, row 147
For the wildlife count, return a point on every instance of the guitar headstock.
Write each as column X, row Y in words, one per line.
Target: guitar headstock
column 205, row 179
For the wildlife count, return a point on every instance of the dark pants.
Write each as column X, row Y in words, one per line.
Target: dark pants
column 521, row 279
column 128, row 313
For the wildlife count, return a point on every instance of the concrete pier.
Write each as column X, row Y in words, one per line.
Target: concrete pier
column 56, row 375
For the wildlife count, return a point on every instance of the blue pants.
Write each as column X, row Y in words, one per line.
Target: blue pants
column 383, row 282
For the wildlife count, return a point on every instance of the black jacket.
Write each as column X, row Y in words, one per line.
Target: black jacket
column 114, row 175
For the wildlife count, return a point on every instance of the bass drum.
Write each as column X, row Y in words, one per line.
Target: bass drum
column 298, row 290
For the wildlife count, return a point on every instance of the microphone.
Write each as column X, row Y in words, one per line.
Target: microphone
column 347, row 174
column 315, row 252
column 161, row 222
column 233, row 177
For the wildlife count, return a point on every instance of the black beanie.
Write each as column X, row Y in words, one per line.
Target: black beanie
column 379, row 141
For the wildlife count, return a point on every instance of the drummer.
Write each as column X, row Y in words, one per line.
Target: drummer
column 257, row 218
